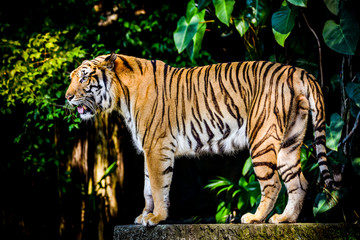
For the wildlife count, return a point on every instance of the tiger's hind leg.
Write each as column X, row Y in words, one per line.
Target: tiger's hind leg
column 264, row 153
column 289, row 164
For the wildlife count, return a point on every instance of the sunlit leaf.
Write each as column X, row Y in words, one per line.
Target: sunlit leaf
column 191, row 10
column 185, row 32
column 343, row 37
column 242, row 182
column 194, row 46
column 247, row 166
column 333, row 132
column 252, row 200
column 283, row 22
column 223, row 10
column 223, row 210
column 241, row 26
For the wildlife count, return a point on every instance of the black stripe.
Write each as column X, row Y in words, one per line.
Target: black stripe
column 165, row 76
column 168, row 170
column 209, row 132
column 290, row 141
column 267, row 164
column 139, row 65
column 322, row 154
column 126, row 63
column 290, row 176
column 196, row 137
column 216, row 105
column 104, row 78
column 321, row 140
column 270, row 148
column 322, row 163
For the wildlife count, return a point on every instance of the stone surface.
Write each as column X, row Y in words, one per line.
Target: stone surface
column 239, row 231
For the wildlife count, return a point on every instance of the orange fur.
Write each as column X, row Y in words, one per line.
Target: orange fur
column 218, row 109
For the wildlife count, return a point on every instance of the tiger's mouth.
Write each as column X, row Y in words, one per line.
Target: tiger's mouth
column 85, row 112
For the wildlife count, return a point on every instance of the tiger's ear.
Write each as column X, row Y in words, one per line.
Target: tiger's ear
column 109, row 61
column 85, row 62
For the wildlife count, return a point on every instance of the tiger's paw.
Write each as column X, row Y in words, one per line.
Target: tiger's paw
column 152, row 220
column 139, row 219
column 250, row 218
column 280, row 218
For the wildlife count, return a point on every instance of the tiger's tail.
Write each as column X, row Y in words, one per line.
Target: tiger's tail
column 317, row 107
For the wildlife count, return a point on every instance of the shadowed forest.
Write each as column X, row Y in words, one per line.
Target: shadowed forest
column 63, row 178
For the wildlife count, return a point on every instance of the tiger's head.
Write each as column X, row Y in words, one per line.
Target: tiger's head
column 91, row 87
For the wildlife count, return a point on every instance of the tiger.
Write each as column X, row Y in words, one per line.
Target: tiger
column 215, row 109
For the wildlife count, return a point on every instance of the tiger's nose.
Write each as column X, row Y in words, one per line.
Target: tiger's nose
column 69, row 97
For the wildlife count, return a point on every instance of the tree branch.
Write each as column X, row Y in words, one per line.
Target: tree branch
column 319, row 48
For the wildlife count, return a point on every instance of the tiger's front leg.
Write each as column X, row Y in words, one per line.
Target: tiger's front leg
column 149, row 202
column 159, row 167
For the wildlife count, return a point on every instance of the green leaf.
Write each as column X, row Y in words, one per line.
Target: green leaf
column 353, row 91
column 252, row 200
column 191, row 10
column 300, row 3
column 247, row 166
column 241, row 25
column 283, row 22
column 324, row 202
column 185, row 32
column 109, row 170
column 242, row 182
column 223, row 210
column 333, row 6
column 194, row 47
column 342, row 38
column 236, row 192
column 356, row 164
column 333, row 132
column 203, row 4
column 223, row 10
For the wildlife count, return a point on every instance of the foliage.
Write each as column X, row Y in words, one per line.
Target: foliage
column 239, row 196
column 34, row 74
column 342, row 38
column 283, row 22
column 333, row 132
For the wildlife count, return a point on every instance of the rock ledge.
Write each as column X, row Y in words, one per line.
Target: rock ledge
column 239, row 231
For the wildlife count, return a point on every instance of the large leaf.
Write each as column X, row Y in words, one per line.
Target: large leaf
column 283, row 22
column 223, row 10
column 194, row 47
column 353, row 91
column 300, row 3
column 333, row 132
column 185, row 32
column 342, row 38
column 333, row 6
